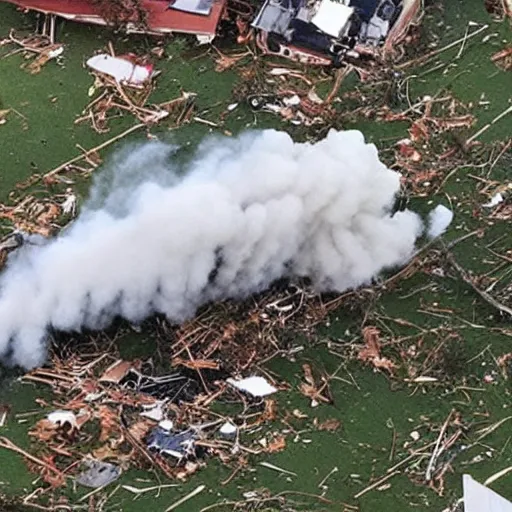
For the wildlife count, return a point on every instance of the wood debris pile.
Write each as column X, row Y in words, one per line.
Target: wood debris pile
column 114, row 99
column 288, row 92
column 39, row 216
column 235, row 336
column 417, row 356
column 36, row 49
column 430, row 463
column 438, row 129
column 503, row 59
column 121, row 12
column 108, row 413
column 499, row 8
column 129, row 414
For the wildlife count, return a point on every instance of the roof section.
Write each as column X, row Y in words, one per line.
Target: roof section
column 161, row 18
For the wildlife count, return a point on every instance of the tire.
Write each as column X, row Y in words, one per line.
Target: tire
column 256, row 102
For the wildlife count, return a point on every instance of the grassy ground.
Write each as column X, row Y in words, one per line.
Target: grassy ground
column 372, row 409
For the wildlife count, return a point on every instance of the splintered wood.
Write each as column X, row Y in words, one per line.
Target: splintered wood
column 371, row 352
column 115, row 99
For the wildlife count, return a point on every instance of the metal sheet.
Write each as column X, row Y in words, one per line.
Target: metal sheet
column 478, row 498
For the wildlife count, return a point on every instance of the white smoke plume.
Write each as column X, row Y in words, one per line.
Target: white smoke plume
column 243, row 213
column 438, row 221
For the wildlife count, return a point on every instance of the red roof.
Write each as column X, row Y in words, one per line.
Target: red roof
column 160, row 19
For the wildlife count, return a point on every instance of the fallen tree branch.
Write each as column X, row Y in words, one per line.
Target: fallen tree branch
column 9, row 445
column 488, row 125
column 82, row 156
column 468, row 280
column 428, row 56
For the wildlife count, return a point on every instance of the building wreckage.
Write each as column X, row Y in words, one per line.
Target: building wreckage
column 320, row 32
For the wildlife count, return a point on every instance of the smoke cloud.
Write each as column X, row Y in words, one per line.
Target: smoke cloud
column 159, row 237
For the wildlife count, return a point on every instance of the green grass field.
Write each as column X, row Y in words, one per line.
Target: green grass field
column 374, row 409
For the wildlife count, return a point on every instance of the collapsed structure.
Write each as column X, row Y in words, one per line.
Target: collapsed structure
column 198, row 17
column 325, row 32
column 322, row 32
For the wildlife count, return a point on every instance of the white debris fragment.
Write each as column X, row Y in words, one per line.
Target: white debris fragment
column 92, row 397
column 292, row 101
column 122, row 70
column 232, row 107
column 496, row 199
column 69, row 204
column 415, row 435
column 205, row 39
column 98, row 474
column 154, row 411
column 228, row 429
column 61, row 417
column 3, row 417
column 55, row 53
column 166, row 425
column 438, row 221
column 282, row 71
column 478, row 498
column 313, row 96
column 422, row 379
column 277, row 468
column 255, row 386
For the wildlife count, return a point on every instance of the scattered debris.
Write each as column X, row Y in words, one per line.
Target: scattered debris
column 503, row 308
column 330, row 425
column 415, row 435
column 498, row 475
column 310, row 389
column 255, row 386
column 495, row 200
column 136, row 490
column 40, row 46
column 123, row 85
column 33, row 216
column 117, row 371
column 370, row 353
column 69, row 204
column 228, row 429
column 179, row 445
column 328, row 33
column 137, row 16
column 3, row 115
column 166, row 425
column 98, row 474
column 277, row 468
column 503, row 59
column 130, row 407
column 505, row 364
column 4, row 411
column 489, row 125
column 63, row 418
column 195, row 492
column 124, row 69
column 499, row 8
column 154, row 411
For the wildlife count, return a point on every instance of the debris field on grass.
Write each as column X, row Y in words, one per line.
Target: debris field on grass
column 208, row 393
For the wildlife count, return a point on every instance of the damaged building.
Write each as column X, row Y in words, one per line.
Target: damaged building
column 319, row 32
